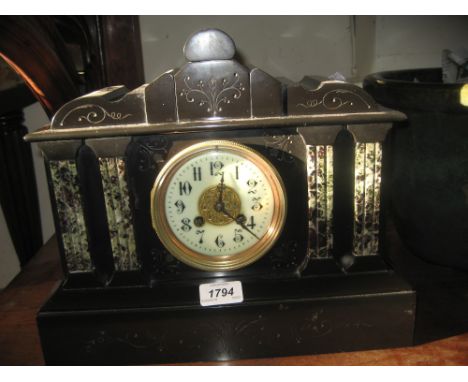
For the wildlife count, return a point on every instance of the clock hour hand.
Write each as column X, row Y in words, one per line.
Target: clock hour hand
column 239, row 220
column 219, row 206
column 221, row 188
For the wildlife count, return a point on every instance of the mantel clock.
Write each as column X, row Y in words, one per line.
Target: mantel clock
column 220, row 213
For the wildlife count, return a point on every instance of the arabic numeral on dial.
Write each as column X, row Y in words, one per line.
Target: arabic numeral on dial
column 180, row 206
column 215, row 167
column 251, row 224
column 200, row 232
column 252, row 184
column 186, row 225
column 238, row 236
column 219, row 241
column 185, row 188
column 256, row 206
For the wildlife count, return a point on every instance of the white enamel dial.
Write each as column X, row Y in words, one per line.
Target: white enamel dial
column 223, row 205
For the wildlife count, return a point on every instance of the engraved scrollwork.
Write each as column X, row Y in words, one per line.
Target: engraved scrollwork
column 314, row 325
column 135, row 339
column 225, row 331
column 285, row 256
column 152, row 153
column 163, row 263
column 96, row 115
column 213, row 93
column 336, row 99
column 279, row 146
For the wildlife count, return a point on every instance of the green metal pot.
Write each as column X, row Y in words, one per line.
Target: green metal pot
column 428, row 162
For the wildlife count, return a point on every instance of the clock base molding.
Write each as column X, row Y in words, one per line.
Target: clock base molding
column 277, row 318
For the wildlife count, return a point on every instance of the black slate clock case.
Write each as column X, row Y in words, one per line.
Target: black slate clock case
column 280, row 263
column 323, row 287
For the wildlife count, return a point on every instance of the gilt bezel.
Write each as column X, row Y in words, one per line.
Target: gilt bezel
column 210, row 262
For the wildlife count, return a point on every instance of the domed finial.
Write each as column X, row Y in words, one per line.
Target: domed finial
column 209, row 44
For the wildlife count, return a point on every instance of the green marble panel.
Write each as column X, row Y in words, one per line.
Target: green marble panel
column 367, row 183
column 118, row 214
column 320, row 189
column 70, row 214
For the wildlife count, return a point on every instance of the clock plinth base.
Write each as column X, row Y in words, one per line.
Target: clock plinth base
column 306, row 316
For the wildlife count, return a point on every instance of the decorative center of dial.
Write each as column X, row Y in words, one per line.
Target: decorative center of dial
column 218, row 203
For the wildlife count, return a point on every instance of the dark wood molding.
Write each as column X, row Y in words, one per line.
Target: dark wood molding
column 123, row 58
column 32, row 46
column 38, row 49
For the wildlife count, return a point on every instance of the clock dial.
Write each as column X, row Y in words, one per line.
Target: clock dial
column 218, row 205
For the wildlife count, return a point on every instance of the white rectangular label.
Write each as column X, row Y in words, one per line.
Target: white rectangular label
column 221, row 293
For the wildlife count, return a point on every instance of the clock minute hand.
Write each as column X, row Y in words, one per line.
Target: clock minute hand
column 238, row 221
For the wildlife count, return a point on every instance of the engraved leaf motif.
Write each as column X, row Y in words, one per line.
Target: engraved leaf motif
column 279, row 146
column 213, row 93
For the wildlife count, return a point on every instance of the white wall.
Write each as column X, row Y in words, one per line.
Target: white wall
column 403, row 42
column 34, row 118
column 286, row 46
column 294, row 46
